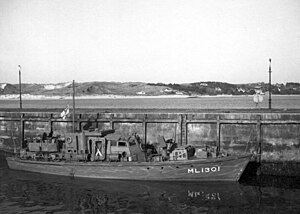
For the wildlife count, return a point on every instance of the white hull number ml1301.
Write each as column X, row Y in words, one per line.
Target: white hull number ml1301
column 204, row 169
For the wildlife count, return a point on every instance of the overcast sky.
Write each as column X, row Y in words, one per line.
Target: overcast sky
column 170, row 41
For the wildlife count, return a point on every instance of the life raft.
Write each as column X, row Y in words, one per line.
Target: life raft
column 69, row 140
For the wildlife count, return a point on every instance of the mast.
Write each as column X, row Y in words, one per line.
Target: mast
column 73, row 118
column 21, row 112
column 270, row 86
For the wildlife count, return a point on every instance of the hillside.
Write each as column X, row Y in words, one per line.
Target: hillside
column 148, row 89
column 84, row 89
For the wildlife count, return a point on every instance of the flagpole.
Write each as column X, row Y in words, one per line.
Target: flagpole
column 73, row 106
column 20, row 87
column 270, row 86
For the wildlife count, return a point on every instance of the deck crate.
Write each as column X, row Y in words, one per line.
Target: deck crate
column 34, row 147
column 200, row 153
column 49, row 147
column 179, row 154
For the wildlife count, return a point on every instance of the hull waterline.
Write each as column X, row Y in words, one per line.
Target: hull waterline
column 220, row 169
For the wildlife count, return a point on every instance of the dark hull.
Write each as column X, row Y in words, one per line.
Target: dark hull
column 221, row 169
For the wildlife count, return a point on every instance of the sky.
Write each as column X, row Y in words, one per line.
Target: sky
column 167, row 41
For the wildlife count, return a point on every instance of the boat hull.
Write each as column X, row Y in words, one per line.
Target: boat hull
column 220, row 169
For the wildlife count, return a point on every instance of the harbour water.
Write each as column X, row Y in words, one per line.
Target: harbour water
column 25, row 192
column 205, row 102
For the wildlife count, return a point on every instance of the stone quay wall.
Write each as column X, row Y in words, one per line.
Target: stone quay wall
column 275, row 136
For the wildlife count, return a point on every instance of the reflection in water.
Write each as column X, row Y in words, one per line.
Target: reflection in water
column 24, row 192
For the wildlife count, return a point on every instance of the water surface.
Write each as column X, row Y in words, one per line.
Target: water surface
column 213, row 102
column 24, row 192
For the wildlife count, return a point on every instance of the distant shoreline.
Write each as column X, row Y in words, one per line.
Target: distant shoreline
column 43, row 97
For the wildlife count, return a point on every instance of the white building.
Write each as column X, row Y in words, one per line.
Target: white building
column 141, row 93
